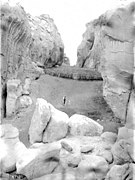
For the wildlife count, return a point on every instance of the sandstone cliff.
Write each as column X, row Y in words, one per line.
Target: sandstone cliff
column 107, row 46
column 27, row 43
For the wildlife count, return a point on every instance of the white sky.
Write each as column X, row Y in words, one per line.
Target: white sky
column 70, row 17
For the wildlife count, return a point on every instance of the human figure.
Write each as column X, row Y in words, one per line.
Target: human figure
column 64, row 100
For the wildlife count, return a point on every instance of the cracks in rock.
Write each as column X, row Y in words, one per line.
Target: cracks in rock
column 115, row 39
column 127, row 105
column 4, row 98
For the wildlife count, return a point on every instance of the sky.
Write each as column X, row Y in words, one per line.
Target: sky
column 70, row 17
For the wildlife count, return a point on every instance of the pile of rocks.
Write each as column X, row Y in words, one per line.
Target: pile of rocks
column 74, row 148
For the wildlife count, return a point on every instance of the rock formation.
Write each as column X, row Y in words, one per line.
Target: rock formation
column 27, row 44
column 107, row 46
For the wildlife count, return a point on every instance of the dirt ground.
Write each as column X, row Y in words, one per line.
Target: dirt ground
column 82, row 97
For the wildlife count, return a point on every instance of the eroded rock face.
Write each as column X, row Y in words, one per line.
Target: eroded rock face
column 107, row 46
column 26, row 42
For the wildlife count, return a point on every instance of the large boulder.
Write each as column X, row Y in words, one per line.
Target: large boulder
column 125, row 133
column 93, row 167
column 118, row 172
column 81, row 125
column 57, row 127
column 11, row 147
column 39, row 121
column 107, row 46
column 39, row 160
column 26, row 42
column 48, row 124
column 109, row 137
column 122, row 151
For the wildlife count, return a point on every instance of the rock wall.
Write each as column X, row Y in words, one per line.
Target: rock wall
column 107, row 46
column 27, row 44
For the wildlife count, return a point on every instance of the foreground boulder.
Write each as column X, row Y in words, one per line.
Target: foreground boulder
column 39, row 121
column 47, row 124
column 81, row 125
column 57, row 127
column 93, row 167
column 107, row 46
column 11, row 147
column 59, row 176
column 118, row 172
column 39, row 160
column 121, row 152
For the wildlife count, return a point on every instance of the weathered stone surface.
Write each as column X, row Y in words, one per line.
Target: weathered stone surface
column 70, row 159
column 93, row 165
column 107, row 46
column 130, row 121
column 109, row 137
column 59, row 176
column 125, row 133
column 121, row 153
column 81, row 125
column 11, row 147
column 57, row 127
column 107, row 155
column 118, row 172
column 14, row 90
column 26, row 40
column 39, row 121
column 87, row 148
column 23, row 102
column 9, row 137
column 39, row 160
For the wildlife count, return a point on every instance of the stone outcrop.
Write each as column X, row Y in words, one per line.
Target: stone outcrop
column 107, row 46
column 27, row 44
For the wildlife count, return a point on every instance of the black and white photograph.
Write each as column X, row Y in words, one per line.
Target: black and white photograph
column 67, row 90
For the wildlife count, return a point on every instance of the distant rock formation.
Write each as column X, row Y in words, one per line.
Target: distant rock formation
column 27, row 44
column 107, row 46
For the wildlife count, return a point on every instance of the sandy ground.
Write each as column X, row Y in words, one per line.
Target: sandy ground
column 83, row 97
